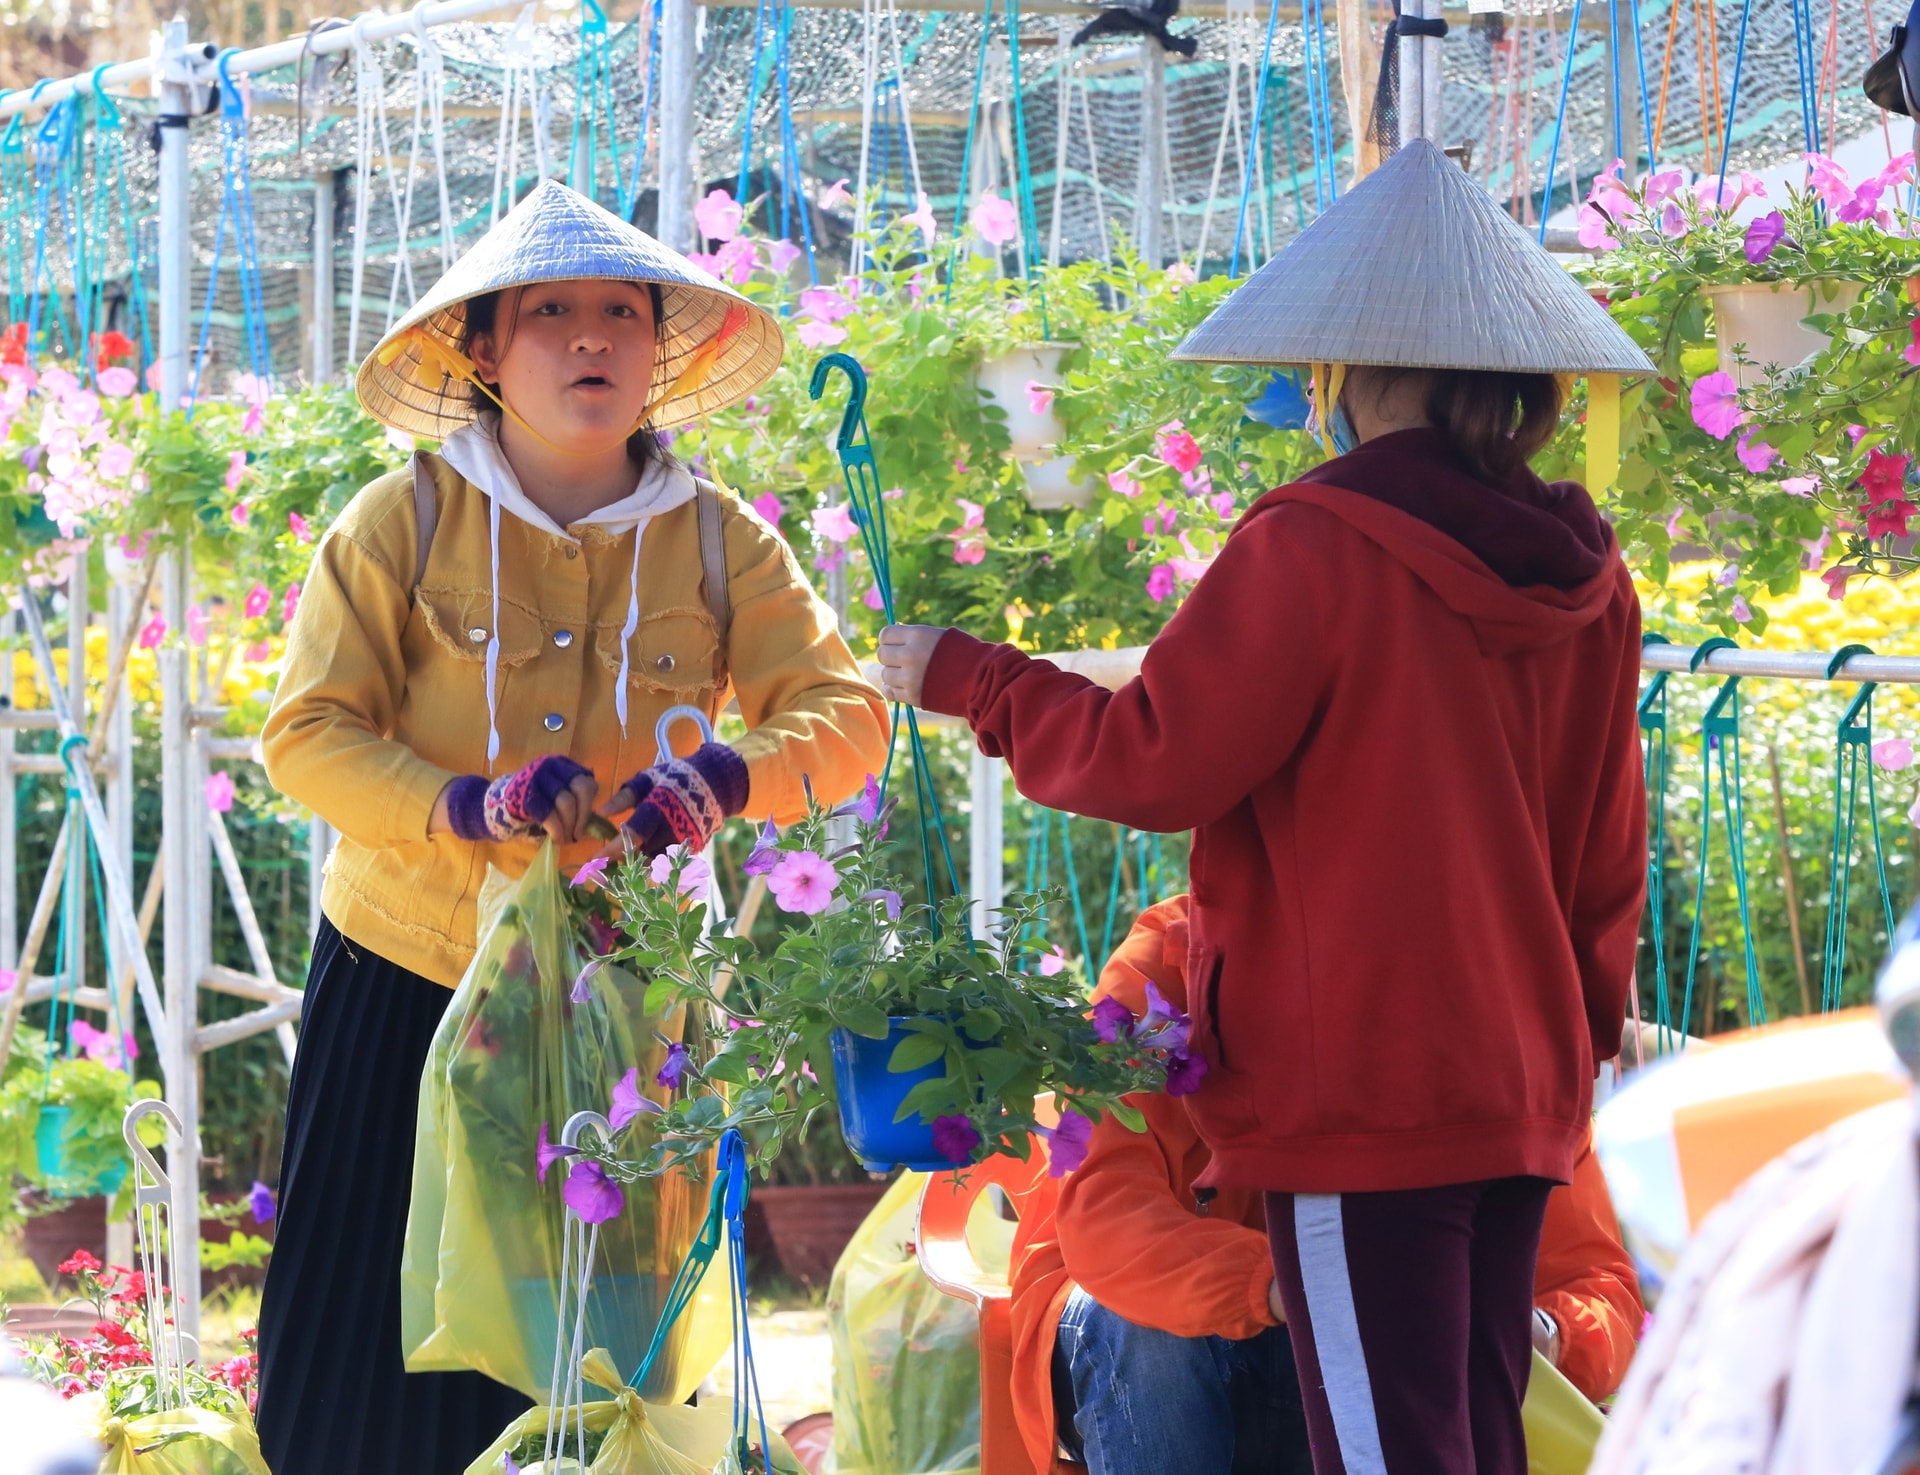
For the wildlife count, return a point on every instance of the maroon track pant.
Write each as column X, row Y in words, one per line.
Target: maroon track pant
column 1411, row 1319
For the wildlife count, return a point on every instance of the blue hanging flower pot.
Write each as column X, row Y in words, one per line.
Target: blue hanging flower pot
column 870, row 1097
column 59, row 1175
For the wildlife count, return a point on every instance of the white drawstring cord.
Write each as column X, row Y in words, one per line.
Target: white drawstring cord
column 493, row 637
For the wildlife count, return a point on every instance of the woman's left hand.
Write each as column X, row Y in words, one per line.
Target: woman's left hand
column 905, row 651
column 682, row 801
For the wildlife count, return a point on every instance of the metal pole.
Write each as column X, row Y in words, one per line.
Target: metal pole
column 9, row 816
column 1412, row 102
column 986, row 874
column 79, row 602
column 321, row 369
column 1432, row 75
column 679, row 140
column 179, row 92
column 1150, row 204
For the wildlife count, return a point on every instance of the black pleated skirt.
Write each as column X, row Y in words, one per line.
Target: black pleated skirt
column 335, row 1398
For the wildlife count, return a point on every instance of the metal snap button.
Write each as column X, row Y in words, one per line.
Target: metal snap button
column 563, row 638
column 665, row 663
column 572, row 552
column 555, row 721
column 477, row 635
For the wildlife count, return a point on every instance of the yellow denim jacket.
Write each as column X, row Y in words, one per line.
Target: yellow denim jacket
column 383, row 697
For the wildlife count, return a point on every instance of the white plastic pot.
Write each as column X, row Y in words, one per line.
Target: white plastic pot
column 1767, row 318
column 1036, row 436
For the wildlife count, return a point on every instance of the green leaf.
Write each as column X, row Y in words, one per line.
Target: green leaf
column 862, row 1019
column 914, row 1052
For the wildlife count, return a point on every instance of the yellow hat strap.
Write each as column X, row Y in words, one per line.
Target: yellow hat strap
column 1328, row 381
column 1603, row 431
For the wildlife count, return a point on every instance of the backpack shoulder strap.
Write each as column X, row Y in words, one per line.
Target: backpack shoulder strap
column 713, row 560
column 426, row 518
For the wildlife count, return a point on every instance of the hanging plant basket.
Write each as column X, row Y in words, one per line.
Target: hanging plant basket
column 1767, row 317
column 1036, row 435
column 870, row 1097
column 59, row 1176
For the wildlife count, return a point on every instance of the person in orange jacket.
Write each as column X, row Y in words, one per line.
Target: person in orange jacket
column 1148, row 1333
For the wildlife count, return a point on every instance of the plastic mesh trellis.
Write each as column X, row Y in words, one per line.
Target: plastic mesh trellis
column 1502, row 92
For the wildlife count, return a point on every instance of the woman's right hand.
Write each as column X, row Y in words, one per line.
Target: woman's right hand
column 553, row 795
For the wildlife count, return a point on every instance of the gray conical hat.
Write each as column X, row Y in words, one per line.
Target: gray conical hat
column 1416, row 267
column 556, row 235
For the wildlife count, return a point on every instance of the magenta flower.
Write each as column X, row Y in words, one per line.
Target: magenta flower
column 889, row 899
column 591, row 1194
column 1765, row 233
column 236, row 468
column 1716, row 404
column 1184, row 1074
column 834, row 523
column 673, row 1074
column 995, row 219
column 1068, row 1143
column 198, row 625
column 835, row 195
column 1800, row 486
column 220, row 791
column 781, row 255
column 116, row 382
column 1836, row 578
column 546, row 1153
column 300, row 528
column 261, row 1204
column 803, row 882
column 259, row 601
column 764, row 855
column 1053, row 961
column 718, row 216
column 817, row 334
column 1039, row 397
column 1122, row 483
column 955, row 1138
column 1755, row 455
column 866, row 808
column 582, row 991
column 922, row 220
column 1177, row 447
column 824, row 304
column 591, row 872
column 153, row 632
column 289, row 605
column 767, row 504
column 1112, row 1020
column 1160, row 583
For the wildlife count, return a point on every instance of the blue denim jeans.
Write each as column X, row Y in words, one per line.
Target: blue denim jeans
column 1134, row 1401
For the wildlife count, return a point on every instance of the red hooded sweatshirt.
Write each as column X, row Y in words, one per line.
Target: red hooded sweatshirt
column 1419, row 822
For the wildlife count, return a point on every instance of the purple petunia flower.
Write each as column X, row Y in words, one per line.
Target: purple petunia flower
column 582, row 992
column 546, row 1153
column 764, row 855
column 1765, row 233
column 1112, row 1020
column 1164, row 1027
column 591, row 1194
column 674, row 1071
column 955, row 1138
column 890, row 899
column 866, row 808
column 508, row 1464
column 1067, row 1148
column 1184, row 1073
column 261, row 1202
column 628, row 1103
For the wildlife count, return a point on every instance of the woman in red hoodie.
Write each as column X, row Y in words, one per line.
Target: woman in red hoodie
column 1398, row 715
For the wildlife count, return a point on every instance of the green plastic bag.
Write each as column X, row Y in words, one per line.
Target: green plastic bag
column 1562, row 1427
column 625, row 1435
column 513, row 1053
column 906, row 1356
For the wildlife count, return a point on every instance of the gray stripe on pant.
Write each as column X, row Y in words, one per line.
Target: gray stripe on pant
column 1336, row 1331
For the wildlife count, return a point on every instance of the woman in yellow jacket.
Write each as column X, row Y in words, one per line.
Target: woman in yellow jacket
column 482, row 649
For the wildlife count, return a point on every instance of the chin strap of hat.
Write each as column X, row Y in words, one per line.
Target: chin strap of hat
column 1603, row 431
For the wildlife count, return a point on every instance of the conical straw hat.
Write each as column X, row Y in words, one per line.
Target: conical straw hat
column 1417, row 267
column 556, row 235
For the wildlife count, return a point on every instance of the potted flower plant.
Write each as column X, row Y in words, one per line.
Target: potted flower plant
column 1771, row 446
column 940, row 1045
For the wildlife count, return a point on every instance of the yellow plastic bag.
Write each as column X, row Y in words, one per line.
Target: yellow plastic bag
column 1562, row 1427
column 186, row 1441
column 513, row 1053
column 906, row 1356
column 626, row 1436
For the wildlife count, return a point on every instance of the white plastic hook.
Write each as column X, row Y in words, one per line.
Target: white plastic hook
column 672, row 715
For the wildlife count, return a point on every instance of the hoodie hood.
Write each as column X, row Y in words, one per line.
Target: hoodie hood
column 1528, row 565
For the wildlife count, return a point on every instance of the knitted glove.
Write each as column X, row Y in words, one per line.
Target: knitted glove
column 685, row 800
column 516, row 804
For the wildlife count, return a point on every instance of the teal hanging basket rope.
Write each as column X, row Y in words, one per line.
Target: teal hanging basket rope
column 1652, row 709
column 1853, row 744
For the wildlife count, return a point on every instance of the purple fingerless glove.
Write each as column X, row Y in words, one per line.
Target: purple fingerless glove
column 685, row 800
column 516, row 804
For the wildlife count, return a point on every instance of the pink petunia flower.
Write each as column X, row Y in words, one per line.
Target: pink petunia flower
column 834, row 523
column 290, row 604
column 718, row 216
column 995, row 220
column 220, row 790
column 972, row 514
column 922, row 219
column 198, row 626
column 781, row 255
column 236, row 468
column 254, row 654
column 803, row 882
column 301, row 529
column 835, row 195
column 259, row 601
column 1716, row 404
column 589, row 873
column 872, row 598
column 1039, row 397
column 1755, row 455
column 1122, row 483
column 1175, row 446
column 116, row 382
column 241, row 513
column 735, row 261
column 1160, row 583
column 694, row 876
column 1594, row 231
column 1800, row 486
column 820, row 335
column 1911, row 353
column 1742, row 611
column 1836, row 578
column 767, row 504
column 1052, row 961
column 1893, row 754
column 153, row 632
